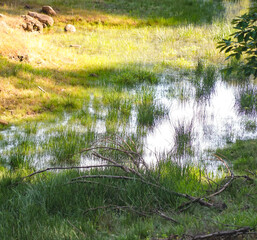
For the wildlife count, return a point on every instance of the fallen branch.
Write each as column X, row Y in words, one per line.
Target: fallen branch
column 73, row 167
column 229, row 233
column 41, row 89
column 132, row 209
column 99, row 183
column 186, row 205
column 232, row 178
column 194, row 199
column 104, row 176
column 77, row 228
column 161, row 214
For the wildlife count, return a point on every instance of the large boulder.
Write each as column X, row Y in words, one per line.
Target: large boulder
column 44, row 19
column 31, row 24
column 69, row 28
column 48, row 10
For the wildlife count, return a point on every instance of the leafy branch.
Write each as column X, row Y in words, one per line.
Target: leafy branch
column 243, row 43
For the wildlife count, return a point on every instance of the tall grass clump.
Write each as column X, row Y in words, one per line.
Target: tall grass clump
column 148, row 110
column 20, row 154
column 135, row 77
column 205, row 79
column 63, row 145
column 183, row 138
column 246, row 100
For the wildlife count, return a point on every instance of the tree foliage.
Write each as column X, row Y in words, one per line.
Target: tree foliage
column 243, row 43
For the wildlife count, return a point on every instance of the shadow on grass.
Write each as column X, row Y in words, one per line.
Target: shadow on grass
column 40, row 90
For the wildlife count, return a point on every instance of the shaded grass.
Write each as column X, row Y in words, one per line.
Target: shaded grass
column 49, row 207
column 64, row 91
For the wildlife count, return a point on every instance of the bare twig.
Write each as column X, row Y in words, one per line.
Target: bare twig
column 241, row 231
column 77, row 228
column 226, row 185
column 41, row 89
column 164, row 216
column 99, row 183
column 73, row 167
column 104, row 176
column 251, row 172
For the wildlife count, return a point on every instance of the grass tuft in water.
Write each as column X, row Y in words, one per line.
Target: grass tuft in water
column 204, row 82
column 183, row 138
column 148, row 111
column 246, row 101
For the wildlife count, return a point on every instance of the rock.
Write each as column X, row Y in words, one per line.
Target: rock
column 75, row 46
column 44, row 19
column 48, row 10
column 31, row 24
column 2, row 122
column 69, row 28
column 28, row 6
column 93, row 75
column 23, row 58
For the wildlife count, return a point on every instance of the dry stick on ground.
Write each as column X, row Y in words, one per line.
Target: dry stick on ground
column 222, row 189
column 200, row 201
column 73, row 167
column 126, row 169
column 132, row 209
column 229, row 233
column 2, row 122
column 119, row 208
column 187, row 204
column 99, row 183
column 226, row 185
column 77, row 228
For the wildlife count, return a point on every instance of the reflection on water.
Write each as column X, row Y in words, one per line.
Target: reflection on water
column 191, row 128
column 210, row 124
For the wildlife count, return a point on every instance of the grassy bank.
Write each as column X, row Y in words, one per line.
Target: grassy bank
column 52, row 206
column 99, row 83
column 121, row 54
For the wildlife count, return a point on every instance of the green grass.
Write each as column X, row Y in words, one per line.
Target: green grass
column 183, row 138
column 125, row 46
column 148, row 110
column 242, row 154
column 247, row 100
column 204, row 81
column 49, row 207
column 163, row 12
column 122, row 55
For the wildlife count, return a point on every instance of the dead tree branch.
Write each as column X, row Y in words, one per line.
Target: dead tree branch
column 229, row 233
column 73, row 167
